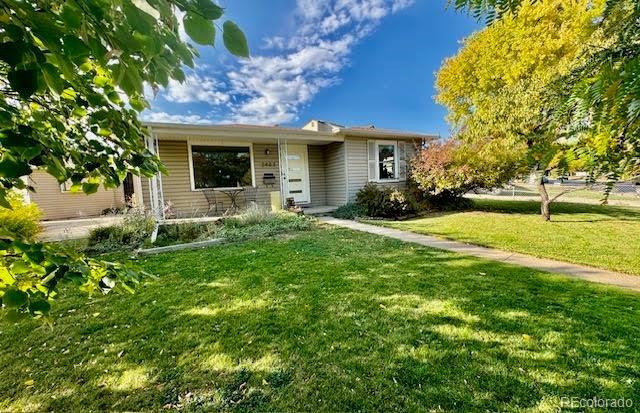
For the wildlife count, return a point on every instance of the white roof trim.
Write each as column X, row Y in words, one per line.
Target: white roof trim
column 256, row 132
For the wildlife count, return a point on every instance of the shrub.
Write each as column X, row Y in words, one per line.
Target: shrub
column 385, row 202
column 447, row 201
column 186, row 232
column 253, row 222
column 131, row 233
column 349, row 211
column 22, row 220
column 456, row 167
column 371, row 199
column 238, row 228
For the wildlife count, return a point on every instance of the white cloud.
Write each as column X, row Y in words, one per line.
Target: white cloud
column 271, row 89
column 401, row 4
column 196, row 88
column 276, row 87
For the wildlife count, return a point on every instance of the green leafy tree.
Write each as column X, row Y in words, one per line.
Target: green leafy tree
column 504, row 88
column 72, row 74
column 602, row 105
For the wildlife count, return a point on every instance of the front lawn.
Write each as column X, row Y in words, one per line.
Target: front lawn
column 600, row 236
column 328, row 320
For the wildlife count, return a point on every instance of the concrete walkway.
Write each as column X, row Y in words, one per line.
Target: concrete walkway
column 67, row 229
column 558, row 267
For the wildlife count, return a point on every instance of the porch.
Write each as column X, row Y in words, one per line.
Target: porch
column 211, row 176
column 314, row 168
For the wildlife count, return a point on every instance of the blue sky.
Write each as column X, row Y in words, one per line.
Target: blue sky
column 354, row 62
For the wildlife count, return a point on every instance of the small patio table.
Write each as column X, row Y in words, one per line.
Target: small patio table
column 232, row 193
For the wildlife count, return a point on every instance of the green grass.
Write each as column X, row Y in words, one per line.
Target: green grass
column 600, row 236
column 328, row 320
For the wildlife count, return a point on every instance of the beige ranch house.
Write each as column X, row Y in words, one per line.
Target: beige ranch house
column 212, row 167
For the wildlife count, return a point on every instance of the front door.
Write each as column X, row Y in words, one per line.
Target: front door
column 297, row 177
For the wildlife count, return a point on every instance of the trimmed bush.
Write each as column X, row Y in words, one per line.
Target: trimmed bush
column 349, row 211
column 23, row 220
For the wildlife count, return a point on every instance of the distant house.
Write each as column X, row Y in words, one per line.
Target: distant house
column 321, row 165
column 57, row 202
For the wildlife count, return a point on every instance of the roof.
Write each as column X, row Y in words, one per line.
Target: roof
column 372, row 131
column 336, row 132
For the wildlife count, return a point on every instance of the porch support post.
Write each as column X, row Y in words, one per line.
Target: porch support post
column 26, row 196
column 282, row 165
column 137, row 191
column 155, row 194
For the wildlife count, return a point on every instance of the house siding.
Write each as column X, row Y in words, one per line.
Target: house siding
column 266, row 164
column 176, row 186
column 357, row 161
column 335, row 174
column 357, row 165
column 317, row 181
column 329, row 166
column 56, row 204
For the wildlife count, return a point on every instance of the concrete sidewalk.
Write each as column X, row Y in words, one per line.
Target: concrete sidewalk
column 572, row 270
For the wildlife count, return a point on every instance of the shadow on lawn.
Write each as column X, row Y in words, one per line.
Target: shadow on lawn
column 333, row 321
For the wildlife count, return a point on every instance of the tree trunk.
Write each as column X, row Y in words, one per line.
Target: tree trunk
column 544, row 200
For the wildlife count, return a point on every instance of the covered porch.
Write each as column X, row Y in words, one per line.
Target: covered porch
column 215, row 170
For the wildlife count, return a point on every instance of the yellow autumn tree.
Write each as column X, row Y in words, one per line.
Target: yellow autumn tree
column 504, row 83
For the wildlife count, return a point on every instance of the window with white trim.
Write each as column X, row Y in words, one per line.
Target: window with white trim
column 386, row 161
column 221, row 166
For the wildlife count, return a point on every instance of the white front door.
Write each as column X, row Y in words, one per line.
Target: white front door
column 297, row 176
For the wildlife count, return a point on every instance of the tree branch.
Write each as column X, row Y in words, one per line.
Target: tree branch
column 569, row 191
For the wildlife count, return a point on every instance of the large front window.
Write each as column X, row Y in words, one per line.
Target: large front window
column 386, row 161
column 221, row 166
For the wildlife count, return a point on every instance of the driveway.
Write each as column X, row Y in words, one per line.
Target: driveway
column 73, row 228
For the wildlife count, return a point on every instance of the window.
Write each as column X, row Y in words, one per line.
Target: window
column 386, row 159
column 221, row 166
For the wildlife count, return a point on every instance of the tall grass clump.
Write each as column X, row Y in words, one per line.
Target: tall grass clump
column 251, row 215
column 136, row 227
